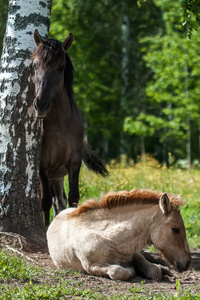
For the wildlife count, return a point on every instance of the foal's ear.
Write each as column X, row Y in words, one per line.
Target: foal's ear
column 37, row 38
column 68, row 42
column 165, row 204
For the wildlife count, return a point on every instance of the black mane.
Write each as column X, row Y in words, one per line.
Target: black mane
column 69, row 76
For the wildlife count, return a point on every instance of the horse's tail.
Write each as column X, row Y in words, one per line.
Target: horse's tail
column 93, row 162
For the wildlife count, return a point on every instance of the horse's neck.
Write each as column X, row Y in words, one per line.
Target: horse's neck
column 130, row 228
column 61, row 106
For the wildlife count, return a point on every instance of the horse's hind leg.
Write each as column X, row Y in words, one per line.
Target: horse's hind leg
column 73, row 197
column 115, row 272
column 60, row 199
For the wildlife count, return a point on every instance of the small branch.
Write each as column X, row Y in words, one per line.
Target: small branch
column 20, row 253
column 20, row 238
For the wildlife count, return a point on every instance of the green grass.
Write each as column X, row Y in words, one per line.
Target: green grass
column 22, row 280
column 12, row 267
column 149, row 175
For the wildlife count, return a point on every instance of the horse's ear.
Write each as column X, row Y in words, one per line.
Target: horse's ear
column 165, row 204
column 37, row 38
column 68, row 42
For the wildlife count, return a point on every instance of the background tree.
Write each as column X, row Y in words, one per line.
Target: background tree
column 19, row 129
column 110, row 72
column 172, row 109
column 136, row 75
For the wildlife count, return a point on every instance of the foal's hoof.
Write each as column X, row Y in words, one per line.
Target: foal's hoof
column 165, row 271
column 121, row 273
column 154, row 273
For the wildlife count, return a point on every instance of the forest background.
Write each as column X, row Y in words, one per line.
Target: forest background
column 136, row 76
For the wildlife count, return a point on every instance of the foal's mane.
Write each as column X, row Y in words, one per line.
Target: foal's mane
column 122, row 198
column 47, row 53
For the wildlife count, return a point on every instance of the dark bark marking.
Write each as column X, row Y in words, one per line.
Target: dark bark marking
column 12, row 9
column 36, row 19
column 43, row 4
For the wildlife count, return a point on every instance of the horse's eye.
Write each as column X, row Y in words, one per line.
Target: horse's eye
column 34, row 66
column 175, row 230
column 61, row 68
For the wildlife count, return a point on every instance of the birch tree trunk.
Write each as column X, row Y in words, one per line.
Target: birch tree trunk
column 19, row 129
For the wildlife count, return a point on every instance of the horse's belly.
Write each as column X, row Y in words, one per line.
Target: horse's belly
column 57, row 172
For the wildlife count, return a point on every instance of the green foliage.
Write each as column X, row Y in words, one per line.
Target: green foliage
column 137, row 74
column 136, row 71
column 190, row 13
column 172, row 104
column 3, row 18
column 106, row 54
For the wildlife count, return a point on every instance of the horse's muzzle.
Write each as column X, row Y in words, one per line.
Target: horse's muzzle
column 182, row 267
column 41, row 110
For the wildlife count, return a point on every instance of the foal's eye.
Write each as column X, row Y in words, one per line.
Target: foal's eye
column 175, row 230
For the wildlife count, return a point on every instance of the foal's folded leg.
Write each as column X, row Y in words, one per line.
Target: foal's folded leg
column 155, row 259
column 115, row 272
column 145, row 268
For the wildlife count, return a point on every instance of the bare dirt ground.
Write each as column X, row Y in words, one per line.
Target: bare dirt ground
column 189, row 280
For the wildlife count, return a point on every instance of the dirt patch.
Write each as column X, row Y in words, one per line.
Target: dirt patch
column 189, row 280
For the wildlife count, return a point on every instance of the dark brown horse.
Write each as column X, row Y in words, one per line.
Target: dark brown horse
column 62, row 145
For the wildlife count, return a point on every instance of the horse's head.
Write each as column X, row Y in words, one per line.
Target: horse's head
column 49, row 62
column 169, row 236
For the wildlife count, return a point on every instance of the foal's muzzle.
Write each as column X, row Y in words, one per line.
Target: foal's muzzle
column 180, row 267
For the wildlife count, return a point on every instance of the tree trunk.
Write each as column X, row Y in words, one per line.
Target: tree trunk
column 188, row 144
column 19, row 129
column 125, row 31
column 188, row 136
column 143, row 153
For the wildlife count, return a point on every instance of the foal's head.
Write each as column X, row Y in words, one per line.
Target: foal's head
column 49, row 61
column 169, row 234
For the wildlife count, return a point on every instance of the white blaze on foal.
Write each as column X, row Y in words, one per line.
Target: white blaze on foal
column 103, row 238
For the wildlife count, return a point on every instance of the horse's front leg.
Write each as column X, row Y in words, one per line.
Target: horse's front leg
column 60, row 199
column 73, row 196
column 145, row 268
column 115, row 272
column 46, row 196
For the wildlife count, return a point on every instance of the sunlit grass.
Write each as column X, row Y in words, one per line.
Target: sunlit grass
column 149, row 175
column 20, row 280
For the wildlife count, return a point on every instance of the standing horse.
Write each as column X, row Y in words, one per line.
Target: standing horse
column 62, row 146
column 103, row 238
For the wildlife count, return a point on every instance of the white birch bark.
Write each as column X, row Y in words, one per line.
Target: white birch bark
column 19, row 128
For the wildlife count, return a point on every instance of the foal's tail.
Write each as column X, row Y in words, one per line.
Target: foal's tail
column 93, row 162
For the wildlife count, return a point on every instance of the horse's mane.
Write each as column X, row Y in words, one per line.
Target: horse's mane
column 122, row 198
column 48, row 52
